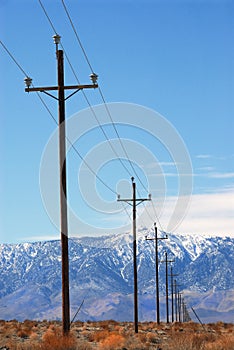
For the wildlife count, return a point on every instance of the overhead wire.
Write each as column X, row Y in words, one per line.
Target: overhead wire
column 101, row 94
column 12, row 57
column 78, row 81
column 110, row 116
column 89, row 104
column 105, row 104
column 54, row 119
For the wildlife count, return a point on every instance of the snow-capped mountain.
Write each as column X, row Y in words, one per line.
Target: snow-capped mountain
column 101, row 273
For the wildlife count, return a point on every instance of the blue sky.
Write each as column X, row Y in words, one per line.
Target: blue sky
column 174, row 57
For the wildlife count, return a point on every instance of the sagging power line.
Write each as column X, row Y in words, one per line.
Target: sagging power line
column 108, row 113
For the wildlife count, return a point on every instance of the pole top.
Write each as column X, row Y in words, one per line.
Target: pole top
column 93, row 78
column 28, row 82
column 57, row 38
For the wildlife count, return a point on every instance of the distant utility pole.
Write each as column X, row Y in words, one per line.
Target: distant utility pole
column 176, row 293
column 176, row 311
column 167, row 301
column 134, row 202
column 172, row 294
column 156, row 238
column 186, row 313
column 179, row 305
column 62, row 164
column 183, row 311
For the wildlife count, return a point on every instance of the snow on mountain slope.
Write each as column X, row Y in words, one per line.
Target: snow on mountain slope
column 101, row 268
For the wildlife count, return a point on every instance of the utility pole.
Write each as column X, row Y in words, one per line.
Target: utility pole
column 167, row 301
column 176, row 290
column 180, row 304
column 187, row 317
column 156, row 238
column 184, row 310
column 172, row 294
column 62, row 166
column 134, row 202
column 176, row 311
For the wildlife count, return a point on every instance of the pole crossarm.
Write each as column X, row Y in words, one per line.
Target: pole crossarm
column 44, row 89
column 68, row 87
column 173, row 274
column 139, row 200
column 167, row 261
column 153, row 239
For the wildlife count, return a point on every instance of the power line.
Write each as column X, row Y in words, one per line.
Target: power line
column 84, row 94
column 77, row 37
column 108, row 112
column 12, row 57
column 47, row 16
column 54, row 119
column 102, row 97
column 111, row 119
column 106, row 107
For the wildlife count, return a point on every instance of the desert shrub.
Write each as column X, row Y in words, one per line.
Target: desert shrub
column 153, row 338
column 135, row 343
column 183, row 341
column 24, row 330
column 54, row 339
column 98, row 336
column 112, row 342
column 221, row 343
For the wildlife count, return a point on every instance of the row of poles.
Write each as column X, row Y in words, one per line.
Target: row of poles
column 179, row 311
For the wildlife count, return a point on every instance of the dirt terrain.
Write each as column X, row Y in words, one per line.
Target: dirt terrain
column 108, row 335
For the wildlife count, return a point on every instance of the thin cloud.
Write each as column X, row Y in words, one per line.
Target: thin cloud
column 39, row 238
column 221, row 175
column 208, row 214
column 168, row 163
column 207, row 168
column 204, row 156
column 159, row 164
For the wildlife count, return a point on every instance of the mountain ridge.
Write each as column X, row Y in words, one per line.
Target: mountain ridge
column 101, row 270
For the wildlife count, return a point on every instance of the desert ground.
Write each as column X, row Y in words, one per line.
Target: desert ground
column 108, row 335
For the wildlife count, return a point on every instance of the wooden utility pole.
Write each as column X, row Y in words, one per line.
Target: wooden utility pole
column 176, row 291
column 172, row 294
column 176, row 311
column 62, row 166
column 156, row 238
column 134, row 202
column 180, row 305
column 167, row 299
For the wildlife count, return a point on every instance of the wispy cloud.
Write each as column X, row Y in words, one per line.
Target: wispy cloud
column 204, row 156
column 40, row 238
column 208, row 213
column 221, row 175
column 168, row 163
column 209, row 156
column 156, row 165
column 207, row 168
